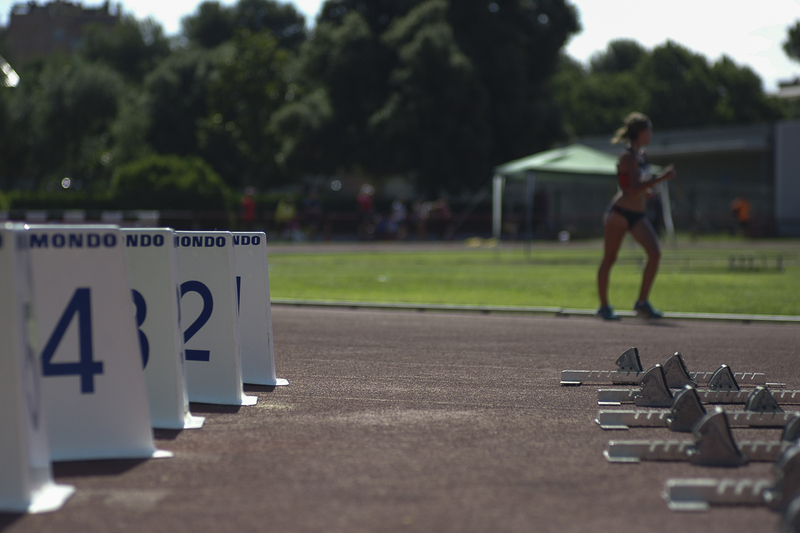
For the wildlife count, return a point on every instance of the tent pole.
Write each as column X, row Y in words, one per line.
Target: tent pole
column 530, row 185
column 497, row 205
column 666, row 209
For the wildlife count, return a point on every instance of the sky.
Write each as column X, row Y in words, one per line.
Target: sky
column 751, row 33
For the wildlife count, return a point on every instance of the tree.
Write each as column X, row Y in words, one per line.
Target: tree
column 349, row 64
column 210, row 26
column 66, row 112
column 595, row 103
column 377, row 63
column 169, row 182
column 283, row 20
column 621, row 55
column 132, row 47
column 686, row 91
column 515, row 47
column 377, row 14
column 247, row 87
column 677, row 88
column 177, row 96
column 741, row 95
column 214, row 24
column 682, row 90
column 792, row 43
column 434, row 124
column 12, row 135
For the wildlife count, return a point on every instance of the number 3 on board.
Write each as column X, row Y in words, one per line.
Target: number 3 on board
column 141, row 314
column 86, row 367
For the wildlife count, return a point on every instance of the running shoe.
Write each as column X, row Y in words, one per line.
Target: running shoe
column 645, row 310
column 606, row 312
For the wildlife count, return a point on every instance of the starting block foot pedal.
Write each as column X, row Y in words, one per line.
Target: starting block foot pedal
column 686, row 411
column 654, row 390
column 715, row 445
column 676, row 373
column 761, row 400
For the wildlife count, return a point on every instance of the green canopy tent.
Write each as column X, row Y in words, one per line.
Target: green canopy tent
column 575, row 162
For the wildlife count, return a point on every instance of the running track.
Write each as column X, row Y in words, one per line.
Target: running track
column 425, row 422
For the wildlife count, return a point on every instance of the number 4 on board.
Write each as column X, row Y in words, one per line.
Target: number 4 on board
column 86, row 367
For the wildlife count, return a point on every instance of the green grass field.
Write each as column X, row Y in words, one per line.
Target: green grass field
column 723, row 276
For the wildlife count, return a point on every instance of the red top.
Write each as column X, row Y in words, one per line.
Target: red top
column 624, row 180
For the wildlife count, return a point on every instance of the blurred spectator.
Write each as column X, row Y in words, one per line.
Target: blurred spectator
column 286, row 218
column 399, row 219
column 441, row 216
column 312, row 214
column 741, row 211
column 248, row 212
column 421, row 213
column 366, row 211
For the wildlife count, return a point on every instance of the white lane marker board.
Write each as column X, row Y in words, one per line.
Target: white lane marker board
column 95, row 397
column 208, row 318
column 26, row 480
column 254, row 308
column 152, row 267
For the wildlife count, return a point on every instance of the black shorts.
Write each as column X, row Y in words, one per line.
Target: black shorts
column 631, row 216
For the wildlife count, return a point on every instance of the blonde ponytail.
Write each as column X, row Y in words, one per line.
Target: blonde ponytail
column 634, row 124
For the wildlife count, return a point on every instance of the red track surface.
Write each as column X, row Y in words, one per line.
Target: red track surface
column 423, row 422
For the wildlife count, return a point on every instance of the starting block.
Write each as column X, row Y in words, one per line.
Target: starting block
column 722, row 388
column 26, row 479
column 713, row 446
column 779, row 494
column 687, row 410
column 629, row 370
column 208, row 315
column 95, row 397
column 254, row 309
column 152, row 267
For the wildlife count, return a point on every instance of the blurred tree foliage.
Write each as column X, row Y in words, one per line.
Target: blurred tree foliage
column 250, row 83
column 792, row 43
column 133, row 48
column 674, row 86
column 438, row 91
column 169, row 182
column 61, row 122
column 214, row 24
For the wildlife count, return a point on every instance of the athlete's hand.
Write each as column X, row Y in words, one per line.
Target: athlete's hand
column 669, row 173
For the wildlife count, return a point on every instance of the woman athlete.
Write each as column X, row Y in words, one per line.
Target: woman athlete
column 627, row 213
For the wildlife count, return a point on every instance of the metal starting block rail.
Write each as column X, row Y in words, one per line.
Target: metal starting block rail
column 612, row 397
column 641, row 418
column 687, row 410
column 723, row 388
column 713, row 446
column 630, row 370
column 781, row 494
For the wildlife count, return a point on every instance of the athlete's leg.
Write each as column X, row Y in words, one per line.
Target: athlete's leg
column 645, row 235
column 614, row 232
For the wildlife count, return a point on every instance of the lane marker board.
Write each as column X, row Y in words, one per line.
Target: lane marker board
column 208, row 318
column 95, row 397
column 152, row 267
column 255, row 314
column 26, row 479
